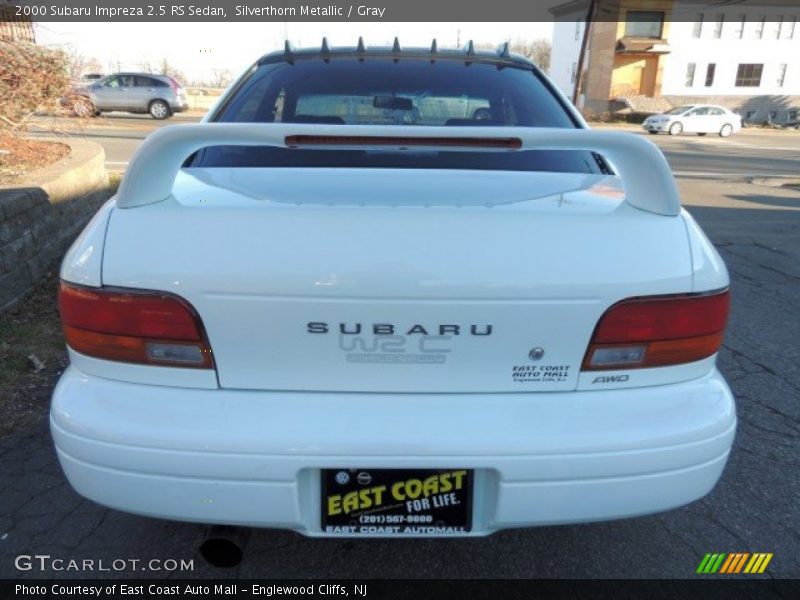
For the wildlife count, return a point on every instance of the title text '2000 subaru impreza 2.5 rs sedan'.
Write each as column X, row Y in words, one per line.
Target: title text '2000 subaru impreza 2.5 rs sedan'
column 393, row 292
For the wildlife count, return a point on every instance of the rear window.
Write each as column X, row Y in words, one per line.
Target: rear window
column 149, row 82
column 383, row 91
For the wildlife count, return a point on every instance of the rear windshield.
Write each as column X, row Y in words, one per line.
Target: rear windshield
column 383, row 91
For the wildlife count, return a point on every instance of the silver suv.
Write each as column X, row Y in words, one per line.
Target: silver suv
column 159, row 95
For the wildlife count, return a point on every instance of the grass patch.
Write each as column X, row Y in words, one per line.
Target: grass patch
column 114, row 179
column 32, row 356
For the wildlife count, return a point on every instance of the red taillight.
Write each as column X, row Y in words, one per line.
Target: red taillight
column 133, row 326
column 658, row 331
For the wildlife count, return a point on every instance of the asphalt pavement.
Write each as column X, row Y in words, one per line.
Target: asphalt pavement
column 749, row 153
column 754, row 508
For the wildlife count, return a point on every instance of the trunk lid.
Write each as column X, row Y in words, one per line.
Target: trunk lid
column 397, row 280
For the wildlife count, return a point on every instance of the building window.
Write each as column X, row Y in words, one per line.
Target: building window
column 749, row 75
column 644, row 23
column 573, row 72
column 740, row 26
column 781, row 74
column 711, row 69
column 720, row 20
column 778, row 27
column 760, row 21
column 690, row 67
column 577, row 30
column 792, row 115
column 697, row 30
column 790, row 27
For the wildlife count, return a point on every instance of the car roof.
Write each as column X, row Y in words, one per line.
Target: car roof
column 702, row 106
column 501, row 57
column 136, row 73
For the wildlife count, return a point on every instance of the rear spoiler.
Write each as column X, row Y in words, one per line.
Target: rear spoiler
column 646, row 176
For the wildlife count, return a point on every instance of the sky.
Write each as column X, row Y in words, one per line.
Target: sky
column 200, row 49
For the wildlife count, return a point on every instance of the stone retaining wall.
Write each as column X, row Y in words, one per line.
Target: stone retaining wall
column 39, row 222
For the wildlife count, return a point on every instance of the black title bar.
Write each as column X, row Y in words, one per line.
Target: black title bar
column 355, row 11
column 717, row 588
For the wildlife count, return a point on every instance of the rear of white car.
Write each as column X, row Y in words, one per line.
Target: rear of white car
column 376, row 348
column 695, row 118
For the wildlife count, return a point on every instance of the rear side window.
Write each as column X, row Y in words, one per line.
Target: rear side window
column 119, row 81
column 382, row 91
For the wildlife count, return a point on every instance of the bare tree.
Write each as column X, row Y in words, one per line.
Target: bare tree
column 32, row 79
column 221, row 78
column 145, row 66
column 175, row 73
column 537, row 51
column 79, row 65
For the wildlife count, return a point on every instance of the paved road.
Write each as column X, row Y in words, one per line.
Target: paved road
column 753, row 509
column 118, row 133
column 752, row 152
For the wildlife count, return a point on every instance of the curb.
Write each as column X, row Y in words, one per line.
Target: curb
column 80, row 173
column 777, row 182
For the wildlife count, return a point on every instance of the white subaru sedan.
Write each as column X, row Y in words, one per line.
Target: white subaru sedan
column 695, row 118
column 393, row 292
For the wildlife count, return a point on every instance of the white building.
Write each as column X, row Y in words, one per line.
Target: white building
column 682, row 51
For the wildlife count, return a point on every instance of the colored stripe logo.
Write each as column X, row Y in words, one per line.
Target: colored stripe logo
column 734, row 562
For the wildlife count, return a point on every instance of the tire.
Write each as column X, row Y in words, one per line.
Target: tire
column 726, row 130
column 159, row 110
column 83, row 108
column 701, row 134
column 676, row 128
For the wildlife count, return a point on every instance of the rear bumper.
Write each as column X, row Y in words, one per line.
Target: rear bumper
column 179, row 106
column 253, row 458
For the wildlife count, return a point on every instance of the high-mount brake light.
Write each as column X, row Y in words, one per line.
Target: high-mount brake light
column 658, row 331
column 137, row 326
column 299, row 141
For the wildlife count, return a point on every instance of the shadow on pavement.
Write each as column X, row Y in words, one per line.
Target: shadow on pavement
column 754, row 507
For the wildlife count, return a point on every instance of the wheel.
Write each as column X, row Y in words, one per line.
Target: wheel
column 83, row 107
column 159, row 110
column 701, row 134
column 675, row 129
column 726, row 130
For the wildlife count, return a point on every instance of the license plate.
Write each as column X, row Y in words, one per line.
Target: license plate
column 396, row 501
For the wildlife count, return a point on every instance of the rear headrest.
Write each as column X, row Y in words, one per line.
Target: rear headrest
column 317, row 119
column 475, row 122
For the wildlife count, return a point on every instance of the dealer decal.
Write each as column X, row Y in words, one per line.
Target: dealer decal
column 396, row 501
column 540, row 373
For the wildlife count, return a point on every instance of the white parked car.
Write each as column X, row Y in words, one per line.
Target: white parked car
column 695, row 118
column 393, row 292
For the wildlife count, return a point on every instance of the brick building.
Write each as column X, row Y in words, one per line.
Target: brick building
column 653, row 54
